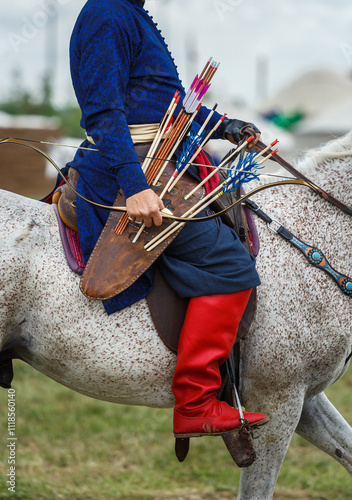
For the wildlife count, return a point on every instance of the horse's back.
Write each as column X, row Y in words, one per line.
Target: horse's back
column 18, row 209
column 71, row 339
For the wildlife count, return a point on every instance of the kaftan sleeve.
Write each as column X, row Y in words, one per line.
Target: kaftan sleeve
column 105, row 55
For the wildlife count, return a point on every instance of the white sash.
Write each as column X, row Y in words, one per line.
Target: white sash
column 142, row 133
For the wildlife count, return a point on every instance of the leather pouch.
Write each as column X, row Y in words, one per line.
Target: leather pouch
column 116, row 262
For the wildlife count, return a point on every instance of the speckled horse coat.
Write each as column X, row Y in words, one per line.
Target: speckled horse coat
column 297, row 347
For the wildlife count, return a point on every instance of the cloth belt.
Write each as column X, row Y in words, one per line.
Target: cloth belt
column 141, row 133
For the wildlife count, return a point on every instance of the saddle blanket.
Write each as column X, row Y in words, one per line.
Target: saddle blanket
column 71, row 245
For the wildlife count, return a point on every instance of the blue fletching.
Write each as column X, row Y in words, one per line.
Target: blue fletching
column 189, row 147
column 244, row 171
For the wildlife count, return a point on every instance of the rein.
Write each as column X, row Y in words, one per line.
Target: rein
column 287, row 166
column 300, row 180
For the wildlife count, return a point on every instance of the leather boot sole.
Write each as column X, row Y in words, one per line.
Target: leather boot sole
column 253, row 426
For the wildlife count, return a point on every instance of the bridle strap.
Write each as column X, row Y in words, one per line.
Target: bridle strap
column 313, row 255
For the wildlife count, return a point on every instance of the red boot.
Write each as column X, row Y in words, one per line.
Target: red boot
column 207, row 337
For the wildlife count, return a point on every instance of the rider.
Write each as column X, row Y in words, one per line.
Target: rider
column 123, row 74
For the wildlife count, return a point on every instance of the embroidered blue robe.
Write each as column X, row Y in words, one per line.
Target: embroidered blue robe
column 124, row 74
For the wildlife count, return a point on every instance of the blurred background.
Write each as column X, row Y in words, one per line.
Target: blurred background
column 287, row 66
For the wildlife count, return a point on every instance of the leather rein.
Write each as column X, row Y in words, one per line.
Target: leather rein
column 300, row 180
column 328, row 197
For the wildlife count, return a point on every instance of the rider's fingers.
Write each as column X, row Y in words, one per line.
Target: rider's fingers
column 148, row 221
column 145, row 207
column 158, row 219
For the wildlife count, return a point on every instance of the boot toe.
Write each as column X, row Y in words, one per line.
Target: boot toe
column 218, row 418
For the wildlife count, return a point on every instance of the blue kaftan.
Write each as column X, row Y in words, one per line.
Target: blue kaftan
column 123, row 74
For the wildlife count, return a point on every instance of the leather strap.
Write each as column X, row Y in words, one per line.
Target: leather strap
column 248, row 131
column 116, row 261
column 314, row 255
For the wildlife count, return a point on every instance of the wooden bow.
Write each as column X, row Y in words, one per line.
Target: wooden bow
column 301, row 182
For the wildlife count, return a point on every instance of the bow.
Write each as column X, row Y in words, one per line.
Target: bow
column 301, row 182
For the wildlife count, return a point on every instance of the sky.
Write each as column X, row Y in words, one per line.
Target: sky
column 262, row 45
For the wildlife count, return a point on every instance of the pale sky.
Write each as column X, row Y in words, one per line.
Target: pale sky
column 290, row 36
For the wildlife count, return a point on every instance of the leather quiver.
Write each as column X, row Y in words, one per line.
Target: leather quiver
column 116, row 263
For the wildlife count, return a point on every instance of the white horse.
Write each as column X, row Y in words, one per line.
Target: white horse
column 297, row 347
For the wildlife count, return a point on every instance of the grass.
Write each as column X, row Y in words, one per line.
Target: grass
column 73, row 447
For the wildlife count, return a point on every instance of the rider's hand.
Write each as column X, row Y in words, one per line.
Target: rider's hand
column 145, row 207
column 231, row 130
column 251, row 145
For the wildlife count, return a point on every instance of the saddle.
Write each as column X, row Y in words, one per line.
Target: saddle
column 168, row 320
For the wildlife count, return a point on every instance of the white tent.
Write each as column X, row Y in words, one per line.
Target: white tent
column 336, row 120
column 311, row 93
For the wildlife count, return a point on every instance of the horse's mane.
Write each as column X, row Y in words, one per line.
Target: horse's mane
column 330, row 167
column 337, row 148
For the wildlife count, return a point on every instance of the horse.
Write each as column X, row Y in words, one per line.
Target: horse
column 300, row 341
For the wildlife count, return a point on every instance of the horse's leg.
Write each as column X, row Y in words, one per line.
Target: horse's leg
column 322, row 425
column 272, row 441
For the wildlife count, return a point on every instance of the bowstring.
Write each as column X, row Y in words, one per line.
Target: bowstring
column 20, row 142
column 268, row 174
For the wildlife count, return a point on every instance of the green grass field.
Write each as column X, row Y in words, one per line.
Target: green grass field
column 75, row 448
